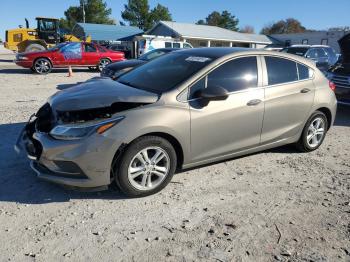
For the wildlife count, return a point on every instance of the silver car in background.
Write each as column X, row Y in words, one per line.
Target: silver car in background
column 182, row 110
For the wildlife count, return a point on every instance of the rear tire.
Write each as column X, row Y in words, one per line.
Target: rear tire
column 146, row 167
column 314, row 132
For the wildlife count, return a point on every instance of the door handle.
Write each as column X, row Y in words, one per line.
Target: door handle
column 305, row 90
column 254, row 102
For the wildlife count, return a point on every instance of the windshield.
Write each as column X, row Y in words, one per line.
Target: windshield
column 165, row 72
column 301, row 51
column 152, row 55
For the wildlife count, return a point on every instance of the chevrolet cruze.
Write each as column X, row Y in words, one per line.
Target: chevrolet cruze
column 184, row 109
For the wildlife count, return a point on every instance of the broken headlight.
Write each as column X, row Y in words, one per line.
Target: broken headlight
column 78, row 131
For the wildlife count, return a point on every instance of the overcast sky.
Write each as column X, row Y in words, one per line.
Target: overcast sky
column 314, row 14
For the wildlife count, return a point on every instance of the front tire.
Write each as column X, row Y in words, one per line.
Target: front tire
column 146, row 167
column 314, row 132
column 42, row 66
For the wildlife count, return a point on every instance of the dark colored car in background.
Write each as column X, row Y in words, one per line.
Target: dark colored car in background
column 121, row 48
column 339, row 73
column 324, row 56
column 91, row 55
column 116, row 69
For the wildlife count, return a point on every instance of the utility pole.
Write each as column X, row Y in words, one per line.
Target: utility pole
column 82, row 2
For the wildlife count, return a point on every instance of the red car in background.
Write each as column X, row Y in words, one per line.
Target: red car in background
column 85, row 55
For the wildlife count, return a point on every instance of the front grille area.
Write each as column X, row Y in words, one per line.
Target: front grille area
column 34, row 148
column 44, row 170
column 341, row 81
column 44, row 119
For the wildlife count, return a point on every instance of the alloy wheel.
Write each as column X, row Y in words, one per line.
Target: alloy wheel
column 102, row 64
column 148, row 168
column 315, row 132
column 42, row 66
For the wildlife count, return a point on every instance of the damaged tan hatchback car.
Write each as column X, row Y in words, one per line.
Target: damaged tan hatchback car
column 184, row 109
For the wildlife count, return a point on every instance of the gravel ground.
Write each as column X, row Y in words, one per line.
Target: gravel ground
column 278, row 205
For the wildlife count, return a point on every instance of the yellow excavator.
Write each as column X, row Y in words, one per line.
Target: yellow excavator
column 46, row 35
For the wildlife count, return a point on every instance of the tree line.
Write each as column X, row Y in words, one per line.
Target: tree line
column 139, row 13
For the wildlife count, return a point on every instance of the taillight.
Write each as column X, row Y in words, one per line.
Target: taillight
column 332, row 85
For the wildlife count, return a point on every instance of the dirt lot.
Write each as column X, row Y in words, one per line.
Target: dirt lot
column 278, row 205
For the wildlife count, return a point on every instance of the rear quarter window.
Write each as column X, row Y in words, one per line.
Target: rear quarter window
column 304, row 72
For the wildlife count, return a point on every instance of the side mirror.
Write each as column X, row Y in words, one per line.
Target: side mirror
column 213, row 93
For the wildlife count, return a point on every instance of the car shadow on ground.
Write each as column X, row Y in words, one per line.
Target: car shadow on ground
column 18, row 183
column 343, row 116
column 54, row 71
column 6, row 60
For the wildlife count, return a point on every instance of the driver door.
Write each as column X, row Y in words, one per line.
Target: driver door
column 67, row 54
column 228, row 126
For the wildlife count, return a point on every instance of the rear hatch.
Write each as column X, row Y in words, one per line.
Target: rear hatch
column 344, row 44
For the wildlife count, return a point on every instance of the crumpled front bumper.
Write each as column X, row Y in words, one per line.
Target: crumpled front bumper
column 79, row 163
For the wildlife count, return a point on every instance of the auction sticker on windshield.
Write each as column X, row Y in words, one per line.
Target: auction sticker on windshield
column 197, row 59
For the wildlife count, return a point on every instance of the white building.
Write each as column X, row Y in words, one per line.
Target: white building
column 208, row 36
column 329, row 38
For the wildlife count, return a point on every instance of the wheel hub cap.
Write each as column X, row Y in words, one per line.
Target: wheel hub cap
column 42, row 66
column 315, row 132
column 148, row 168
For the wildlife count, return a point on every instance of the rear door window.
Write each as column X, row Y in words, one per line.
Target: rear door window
column 101, row 49
column 89, row 48
column 176, row 45
column 280, row 70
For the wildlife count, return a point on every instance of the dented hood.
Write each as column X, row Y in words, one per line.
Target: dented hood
column 98, row 93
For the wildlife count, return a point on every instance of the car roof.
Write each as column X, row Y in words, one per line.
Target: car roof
column 223, row 53
column 213, row 52
column 309, row 46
